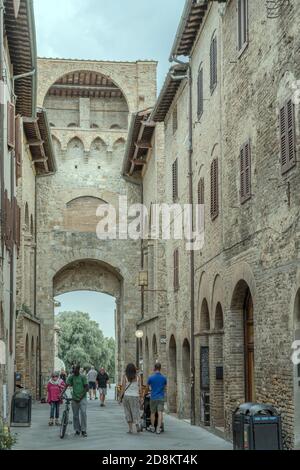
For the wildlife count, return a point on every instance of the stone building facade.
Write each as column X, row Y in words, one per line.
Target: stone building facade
column 89, row 105
column 242, row 66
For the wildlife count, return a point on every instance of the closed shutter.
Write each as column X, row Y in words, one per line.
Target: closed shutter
column 287, row 136
column 176, row 270
column 175, row 120
column 213, row 63
column 245, row 169
column 18, row 148
column 214, row 189
column 201, row 191
column 200, row 93
column 10, row 125
column 175, row 180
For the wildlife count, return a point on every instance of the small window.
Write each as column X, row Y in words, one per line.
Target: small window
column 287, row 136
column 94, row 126
column 176, row 270
column 175, row 180
column 200, row 93
column 175, row 120
column 245, row 165
column 213, row 63
column 72, row 124
column 242, row 24
column 214, row 207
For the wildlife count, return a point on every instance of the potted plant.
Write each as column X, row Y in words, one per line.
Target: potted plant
column 7, row 440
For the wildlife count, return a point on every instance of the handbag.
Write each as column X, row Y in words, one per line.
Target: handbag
column 123, row 394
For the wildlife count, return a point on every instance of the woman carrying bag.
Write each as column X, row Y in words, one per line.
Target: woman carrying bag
column 131, row 396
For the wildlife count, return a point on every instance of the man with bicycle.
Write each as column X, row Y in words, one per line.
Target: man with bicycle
column 80, row 387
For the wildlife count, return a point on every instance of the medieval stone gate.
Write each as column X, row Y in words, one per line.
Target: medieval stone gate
column 89, row 105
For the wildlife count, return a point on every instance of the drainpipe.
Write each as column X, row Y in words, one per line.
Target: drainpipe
column 2, row 120
column 192, row 253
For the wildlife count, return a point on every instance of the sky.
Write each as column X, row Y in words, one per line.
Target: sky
column 125, row 30
column 101, row 308
column 108, row 29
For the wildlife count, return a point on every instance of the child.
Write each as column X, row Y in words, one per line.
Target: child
column 55, row 388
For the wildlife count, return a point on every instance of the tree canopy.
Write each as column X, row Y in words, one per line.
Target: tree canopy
column 82, row 341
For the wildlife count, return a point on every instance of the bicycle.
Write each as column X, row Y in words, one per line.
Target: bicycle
column 65, row 417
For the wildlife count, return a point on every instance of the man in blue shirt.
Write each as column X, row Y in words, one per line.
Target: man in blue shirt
column 157, row 383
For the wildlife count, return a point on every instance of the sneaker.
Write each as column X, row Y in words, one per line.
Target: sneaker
column 84, row 434
column 158, row 431
column 57, row 422
column 151, row 429
column 77, row 433
column 51, row 422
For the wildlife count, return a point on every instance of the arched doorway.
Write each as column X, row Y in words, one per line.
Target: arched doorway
column 204, row 364
column 186, row 377
column 297, row 372
column 27, row 363
column 242, row 341
column 218, row 358
column 32, row 369
column 172, row 369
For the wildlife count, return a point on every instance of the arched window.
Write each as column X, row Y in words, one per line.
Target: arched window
column 115, row 126
column 94, row 126
column 200, row 106
column 72, row 124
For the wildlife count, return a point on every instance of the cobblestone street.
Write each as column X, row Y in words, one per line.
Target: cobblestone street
column 107, row 430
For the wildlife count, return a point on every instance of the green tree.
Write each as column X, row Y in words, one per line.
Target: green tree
column 82, row 341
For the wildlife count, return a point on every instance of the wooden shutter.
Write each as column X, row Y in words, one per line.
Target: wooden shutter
column 245, row 170
column 287, row 136
column 175, row 120
column 18, row 147
column 175, row 180
column 201, row 191
column 8, row 222
column 213, row 63
column 176, row 270
column 200, row 93
column 214, row 189
column 10, row 125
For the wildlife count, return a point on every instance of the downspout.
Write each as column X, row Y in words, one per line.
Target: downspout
column 2, row 121
column 192, row 253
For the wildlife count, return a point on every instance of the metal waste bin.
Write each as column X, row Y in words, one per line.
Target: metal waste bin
column 21, row 409
column 259, row 427
column 238, row 420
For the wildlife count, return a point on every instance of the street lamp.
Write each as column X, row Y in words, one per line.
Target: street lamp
column 139, row 335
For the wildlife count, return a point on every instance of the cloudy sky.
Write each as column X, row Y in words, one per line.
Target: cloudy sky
column 108, row 29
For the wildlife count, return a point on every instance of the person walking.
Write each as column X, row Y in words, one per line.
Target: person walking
column 55, row 388
column 78, row 382
column 102, row 381
column 91, row 378
column 157, row 384
column 131, row 396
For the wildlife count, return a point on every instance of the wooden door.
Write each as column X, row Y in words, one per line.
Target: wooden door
column 249, row 349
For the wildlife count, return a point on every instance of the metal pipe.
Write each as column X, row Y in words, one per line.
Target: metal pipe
column 192, row 254
column 2, row 121
column 24, row 75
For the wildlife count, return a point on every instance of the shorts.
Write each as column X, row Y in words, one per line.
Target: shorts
column 92, row 385
column 157, row 406
column 103, row 391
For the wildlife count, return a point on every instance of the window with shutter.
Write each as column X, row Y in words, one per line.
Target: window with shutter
column 176, row 270
column 214, row 189
column 287, row 136
column 213, row 63
column 175, row 120
column 18, row 147
column 10, row 125
column 175, row 180
column 242, row 24
column 200, row 93
column 245, row 172
column 201, row 191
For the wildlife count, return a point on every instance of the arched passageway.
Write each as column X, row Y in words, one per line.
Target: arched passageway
column 217, row 400
column 297, row 370
column 186, row 377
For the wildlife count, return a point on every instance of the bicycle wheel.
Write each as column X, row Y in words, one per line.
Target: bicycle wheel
column 64, row 424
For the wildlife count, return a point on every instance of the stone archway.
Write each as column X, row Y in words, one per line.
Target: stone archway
column 96, row 276
column 172, row 368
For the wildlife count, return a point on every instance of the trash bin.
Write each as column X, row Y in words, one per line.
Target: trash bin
column 238, row 420
column 257, row 427
column 21, row 409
